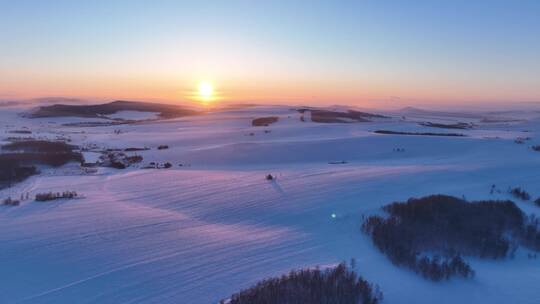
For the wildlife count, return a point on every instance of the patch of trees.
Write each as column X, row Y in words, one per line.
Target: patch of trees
column 431, row 234
column 119, row 160
column 20, row 132
column 494, row 189
column 264, row 121
column 458, row 125
column 157, row 165
column 163, row 147
column 517, row 192
column 50, row 196
column 521, row 140
column 536, row 148
column 41, row 146
column 19, row 163
column 326, row 116
column 115, row 160
column 530, row 233
column 333, row 285
column 340, row 162
column 52, row 153
column 417, row 133
column 135, row 149
column 28, row 159
column 13, row 172
column 11, row 202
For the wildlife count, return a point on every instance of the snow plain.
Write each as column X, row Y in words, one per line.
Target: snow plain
column 198, row 232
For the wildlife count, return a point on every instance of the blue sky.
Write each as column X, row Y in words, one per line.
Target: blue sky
column 315, row 51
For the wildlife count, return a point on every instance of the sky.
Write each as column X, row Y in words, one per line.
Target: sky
column 364, row 53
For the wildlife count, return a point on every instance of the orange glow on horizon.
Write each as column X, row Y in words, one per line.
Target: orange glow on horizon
column 221, row 89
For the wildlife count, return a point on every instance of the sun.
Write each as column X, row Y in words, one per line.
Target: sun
column 206, row 91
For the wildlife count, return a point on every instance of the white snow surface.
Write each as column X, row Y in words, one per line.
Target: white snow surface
column 199, row 232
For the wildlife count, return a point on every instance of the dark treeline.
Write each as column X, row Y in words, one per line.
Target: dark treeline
column 50, row 196
column 264, row 121
column 458, row 125
column 338, row 285
column 33, row 158
column 530, row 233
column 119, row 160
column 11, row 202
column 12, row 172
column 41, row 146
column 417, row 133
column 431, row 234
column 326, row 116
column 19, row 163
column 519, row 193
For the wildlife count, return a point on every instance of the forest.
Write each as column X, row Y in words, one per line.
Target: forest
column 430, row 235
column 337, row 285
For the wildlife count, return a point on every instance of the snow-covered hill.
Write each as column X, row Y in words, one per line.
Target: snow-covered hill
column 212, row 224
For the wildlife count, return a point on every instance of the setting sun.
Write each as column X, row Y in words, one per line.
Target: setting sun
column 206, row 91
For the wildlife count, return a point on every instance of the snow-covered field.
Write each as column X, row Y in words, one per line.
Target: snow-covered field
column 198, row 232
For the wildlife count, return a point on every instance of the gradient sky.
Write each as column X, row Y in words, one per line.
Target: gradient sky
column 320, row 52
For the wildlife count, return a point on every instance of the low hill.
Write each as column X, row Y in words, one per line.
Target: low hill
column 99, row 110
column 329, row 116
